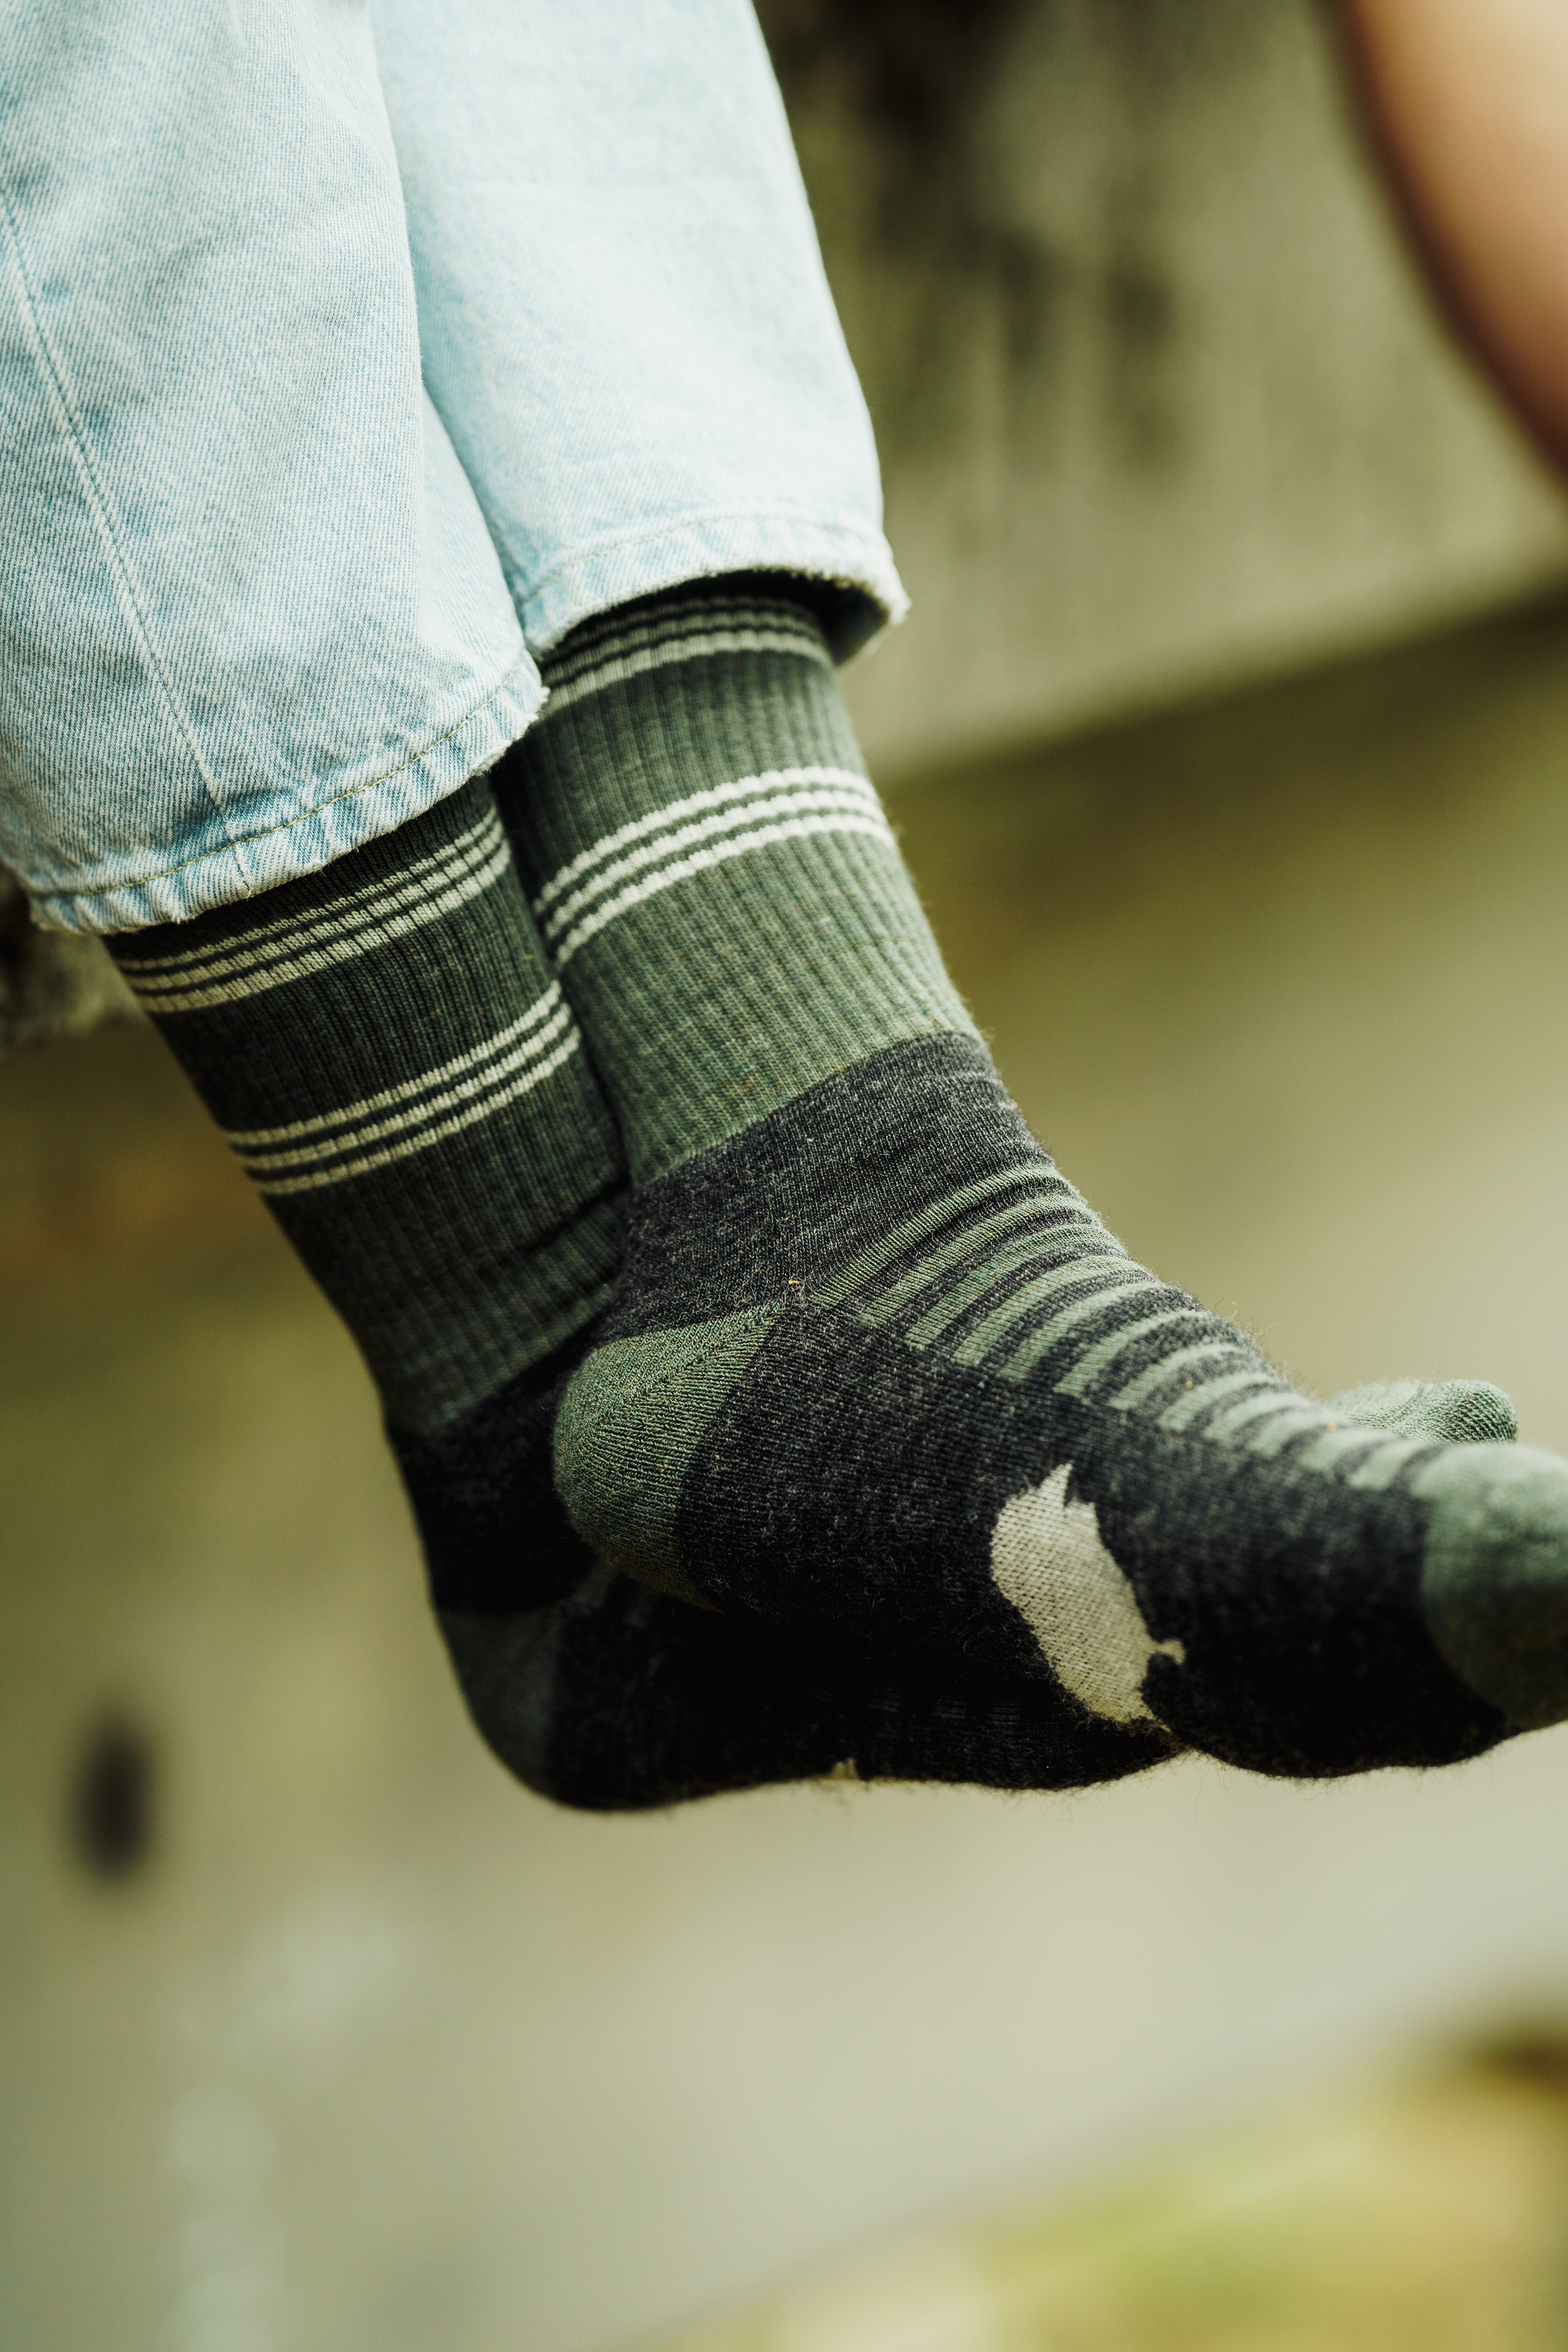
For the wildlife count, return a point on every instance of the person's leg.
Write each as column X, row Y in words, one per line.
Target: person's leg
column 872, row 1360
column 256, row 640
column 392, row 1060
column 231, row 675
column 388, row 1053
column 284, row 672
column 251, row 617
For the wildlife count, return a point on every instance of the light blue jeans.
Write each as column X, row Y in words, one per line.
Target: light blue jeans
column 344, row 368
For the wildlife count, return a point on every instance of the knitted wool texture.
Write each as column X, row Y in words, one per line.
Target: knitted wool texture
column 393, row 1061
column 872, row 1362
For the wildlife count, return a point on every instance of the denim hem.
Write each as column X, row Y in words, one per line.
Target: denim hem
column 857, row 560
column 314, row 837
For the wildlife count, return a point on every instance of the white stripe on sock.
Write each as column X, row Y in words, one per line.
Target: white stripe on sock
column 253, row 975
column 1331, row 1453
column 258, row 1137
column 715, row 796
column 430, row 1135
column 751, row 811
column 360, row 910
column 702, row 860
column 1379, row 1471
column 946, row 1217
column 450, row 863
column 340, row 922
column 944, row 1260
column 619, row 668
column 1270, row 1437
column 321, row 1149
column 700, row 613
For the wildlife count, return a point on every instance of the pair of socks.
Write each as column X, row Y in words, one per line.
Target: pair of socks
column 391, row 1057
column 767, row 1399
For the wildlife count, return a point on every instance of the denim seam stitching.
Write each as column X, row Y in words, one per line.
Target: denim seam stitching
column 68, row 425
column 303, row 816
column 871, row 538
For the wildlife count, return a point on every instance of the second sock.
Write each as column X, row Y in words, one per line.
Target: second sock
column 872, row 1361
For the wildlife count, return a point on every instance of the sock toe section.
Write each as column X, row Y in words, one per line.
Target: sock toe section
column 1466, row 1412
column 1494, row 1584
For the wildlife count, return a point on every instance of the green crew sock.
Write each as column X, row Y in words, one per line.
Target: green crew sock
column 386, row 1048
column 872, row 1361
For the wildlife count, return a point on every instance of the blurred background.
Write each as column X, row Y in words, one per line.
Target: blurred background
column 1229, row 742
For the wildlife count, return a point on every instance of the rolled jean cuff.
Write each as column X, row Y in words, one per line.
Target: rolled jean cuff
column 303, row 840
column 857, row 561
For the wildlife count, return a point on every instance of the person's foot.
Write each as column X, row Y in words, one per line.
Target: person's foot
column 874, row 1363
column 600, row 1694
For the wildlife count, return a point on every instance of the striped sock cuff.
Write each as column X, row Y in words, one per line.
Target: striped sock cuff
column 693, row 835
column 693, row 831
column 702, row 622
column 452, row 890
column 397, row 1070
column 236, row 956
column 712, row 870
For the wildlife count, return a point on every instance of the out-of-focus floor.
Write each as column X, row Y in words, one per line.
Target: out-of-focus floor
column 316, row 2036
column 1427, row 2215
